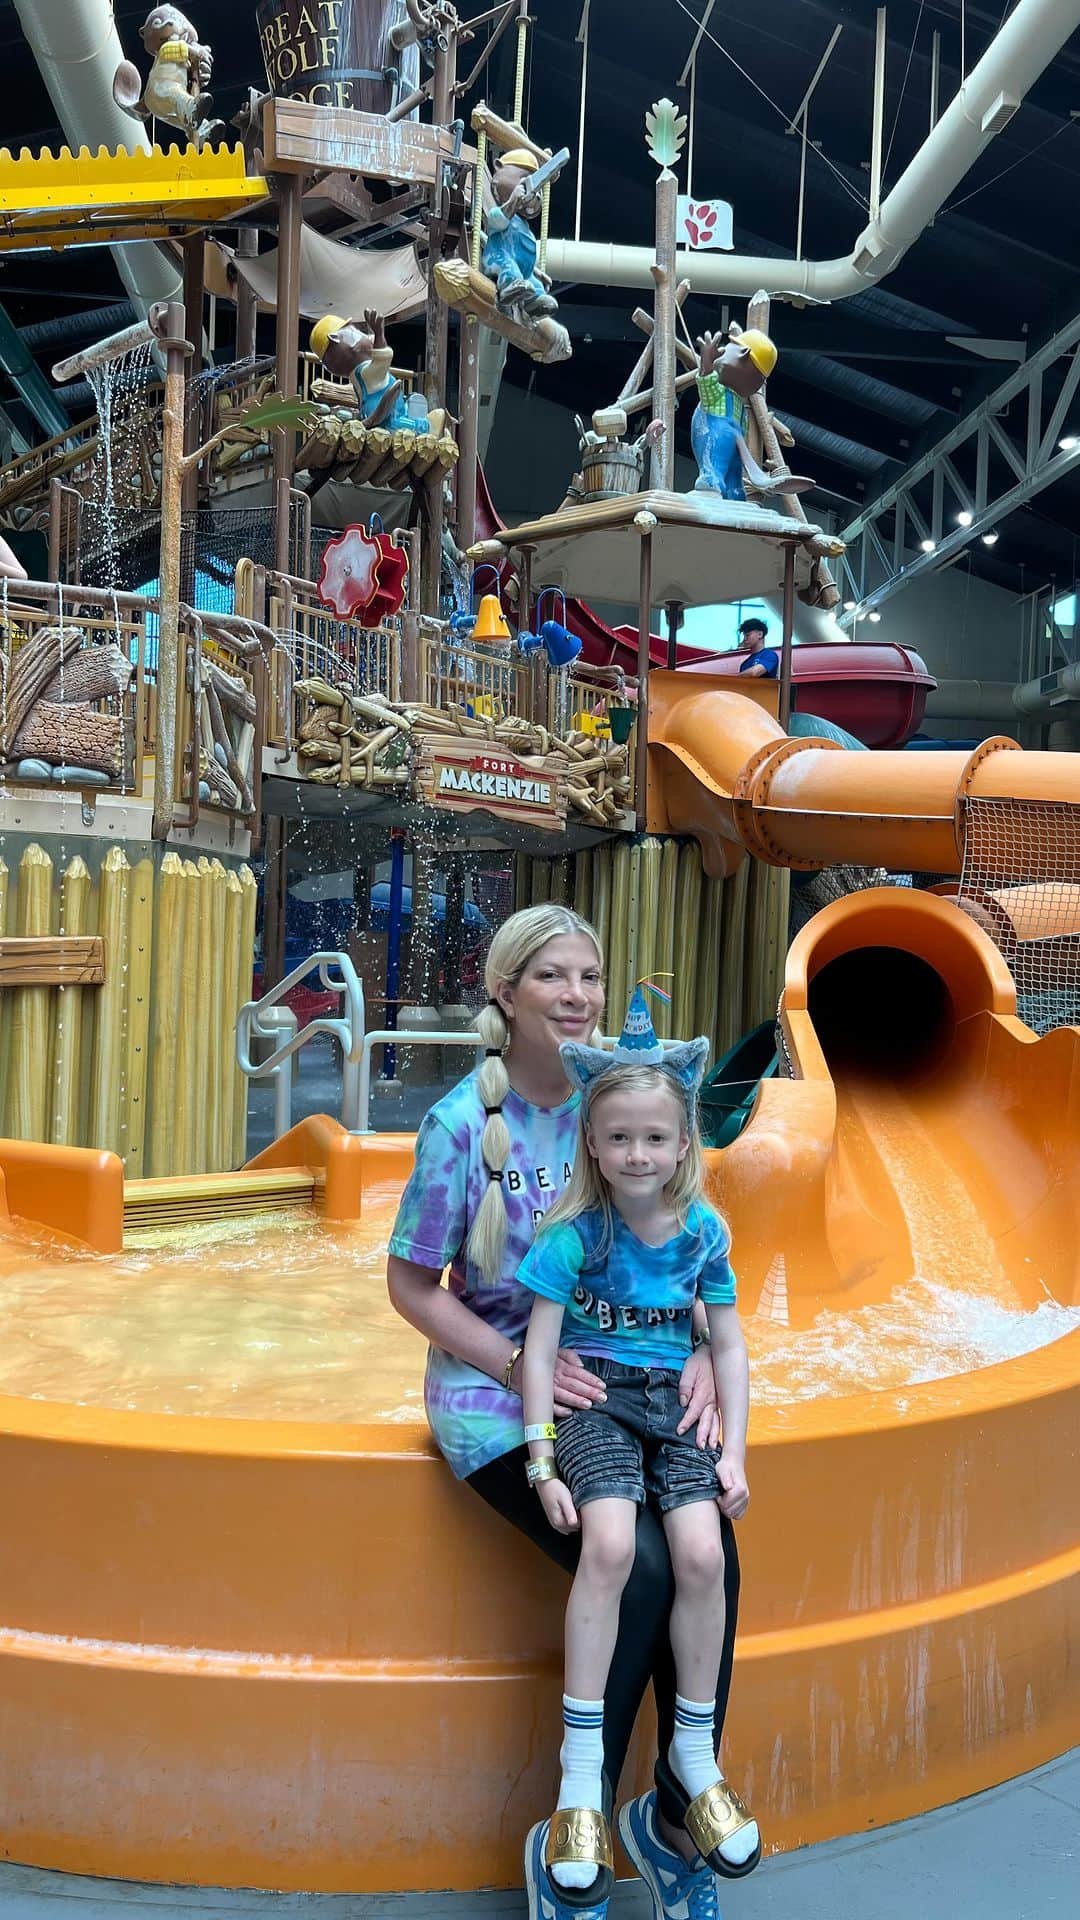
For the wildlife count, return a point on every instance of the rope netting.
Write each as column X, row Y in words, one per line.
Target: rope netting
column 1021, row 882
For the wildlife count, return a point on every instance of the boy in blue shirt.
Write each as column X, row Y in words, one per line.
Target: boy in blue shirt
column 762, row 662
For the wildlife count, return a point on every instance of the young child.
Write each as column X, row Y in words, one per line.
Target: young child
column 617, row 1267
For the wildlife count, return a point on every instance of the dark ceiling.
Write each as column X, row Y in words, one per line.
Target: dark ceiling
column 868, row 383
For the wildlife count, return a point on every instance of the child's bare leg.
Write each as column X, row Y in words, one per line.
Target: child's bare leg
column 608, row 1529
column 697, row 1637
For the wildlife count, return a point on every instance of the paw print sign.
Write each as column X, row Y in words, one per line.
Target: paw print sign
column 704, row 225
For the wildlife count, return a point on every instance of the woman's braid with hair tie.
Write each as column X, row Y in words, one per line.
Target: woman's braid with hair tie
column 487, row 1239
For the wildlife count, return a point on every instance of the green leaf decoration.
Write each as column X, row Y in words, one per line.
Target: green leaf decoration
column 276, row 412
column 665, row 129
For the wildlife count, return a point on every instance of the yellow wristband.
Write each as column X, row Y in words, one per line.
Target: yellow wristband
column 537, row 1470
column 544, row 1430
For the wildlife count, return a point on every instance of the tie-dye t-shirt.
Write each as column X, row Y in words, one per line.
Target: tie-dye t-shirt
column 633, row 1303
column 472, row 1418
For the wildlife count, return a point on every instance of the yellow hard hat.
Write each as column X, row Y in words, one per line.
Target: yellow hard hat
column 323, row 330
column 520, row 157
column 760, row 348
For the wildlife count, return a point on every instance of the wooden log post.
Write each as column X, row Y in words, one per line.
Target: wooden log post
column 641, row 768
column 249, row 896
column 436, row 342
column 68, row 1032
column 194, row 293
column 247, row 248
column 172, row 461
column 663, row 339
column 187, row 1090
column 28, row 1016
column 236, row 988
column 134, row 1140
column 787, row 635
column 290, row 210
column 107, row 1051
column 274, row 902
column 165, row 1010
column 469, row 412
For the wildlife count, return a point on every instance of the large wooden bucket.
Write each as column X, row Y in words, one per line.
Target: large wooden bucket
column 610, row 468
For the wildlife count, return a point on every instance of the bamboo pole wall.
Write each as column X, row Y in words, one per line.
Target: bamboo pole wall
column 143, row 1065
column 724, row 942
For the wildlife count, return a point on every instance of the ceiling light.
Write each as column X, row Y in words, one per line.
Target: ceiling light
column 1069, row 444
column 989, row 539
column 928, row 546
column 849, row 606
column 874, row 616
column 965, row 518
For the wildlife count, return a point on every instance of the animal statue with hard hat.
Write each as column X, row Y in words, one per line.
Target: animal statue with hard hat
column 729, row 373
column 357, row 351
column 510, row 251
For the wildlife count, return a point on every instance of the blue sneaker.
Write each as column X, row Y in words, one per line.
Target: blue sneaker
column 545, row 1898
column 679, row 1891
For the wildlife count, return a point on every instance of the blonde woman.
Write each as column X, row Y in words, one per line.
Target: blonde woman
column 491, row 1158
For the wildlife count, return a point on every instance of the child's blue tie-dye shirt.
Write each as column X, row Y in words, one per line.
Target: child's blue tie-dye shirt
column 472, row 1418
column 633, row 1302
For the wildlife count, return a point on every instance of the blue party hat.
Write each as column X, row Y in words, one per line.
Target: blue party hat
column 638, row 1046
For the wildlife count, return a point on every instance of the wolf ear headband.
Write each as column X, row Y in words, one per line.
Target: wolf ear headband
column 638, row 1046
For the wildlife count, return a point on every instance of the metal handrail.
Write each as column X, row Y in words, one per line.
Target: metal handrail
column 348, row 1031
column 400, row 1037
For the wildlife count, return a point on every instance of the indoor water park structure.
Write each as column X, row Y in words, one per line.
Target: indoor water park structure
column 251, row 1632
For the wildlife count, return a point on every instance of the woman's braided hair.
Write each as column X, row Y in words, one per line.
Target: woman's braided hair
column 517, row 940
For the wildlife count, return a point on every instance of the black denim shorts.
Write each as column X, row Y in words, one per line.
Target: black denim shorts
column 627, row 1446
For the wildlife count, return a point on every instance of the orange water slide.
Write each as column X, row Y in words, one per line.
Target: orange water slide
column 925, row 1132
column 722, row 768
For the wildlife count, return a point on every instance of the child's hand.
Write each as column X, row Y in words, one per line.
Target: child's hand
column 734, row 1496
column 558, row 1506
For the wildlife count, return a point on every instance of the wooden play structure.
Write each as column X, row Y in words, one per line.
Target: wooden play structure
column 306, row 1607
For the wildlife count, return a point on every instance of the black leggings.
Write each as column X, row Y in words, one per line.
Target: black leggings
column 643, row 1648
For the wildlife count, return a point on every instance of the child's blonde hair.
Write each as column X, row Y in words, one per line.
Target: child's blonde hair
column 587, row 1190
column 517, row 941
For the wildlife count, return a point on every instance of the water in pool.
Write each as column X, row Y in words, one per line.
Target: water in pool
column 272, row 1317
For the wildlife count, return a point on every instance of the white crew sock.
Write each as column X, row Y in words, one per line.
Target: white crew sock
column 581, row 1758
column 692, row 1759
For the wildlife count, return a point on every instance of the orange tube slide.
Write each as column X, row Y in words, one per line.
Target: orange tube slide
column 722, row 768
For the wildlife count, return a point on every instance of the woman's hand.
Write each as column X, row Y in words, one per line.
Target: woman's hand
column 575, row 1386
column 558, row 1506
column 734, row 1495
column 697, row 1393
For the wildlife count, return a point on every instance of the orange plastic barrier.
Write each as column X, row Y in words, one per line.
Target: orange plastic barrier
column 723, row 769
column 75, row 1191
column 298, row 1656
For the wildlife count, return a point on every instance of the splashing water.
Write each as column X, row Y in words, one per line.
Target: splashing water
column 263, row 1317
column 272, row 1317
column 924, row 1331
column 119, row 388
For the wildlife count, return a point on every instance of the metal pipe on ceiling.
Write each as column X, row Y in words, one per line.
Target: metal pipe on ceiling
column 77, row 47
column 877, row 396
column 1020, row 51
column 77, row 326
